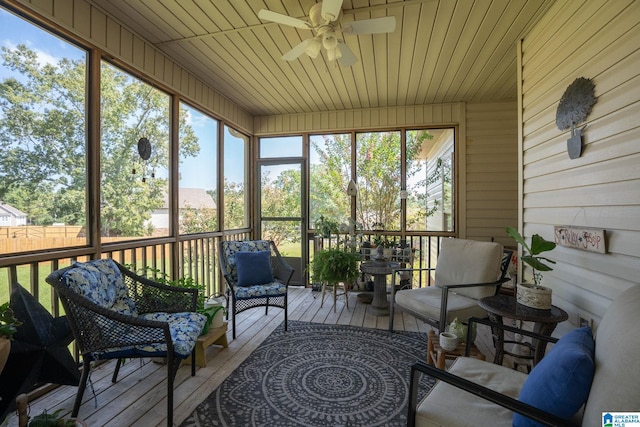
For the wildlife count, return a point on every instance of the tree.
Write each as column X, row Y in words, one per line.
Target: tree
column 43, row 143
column 379, row 176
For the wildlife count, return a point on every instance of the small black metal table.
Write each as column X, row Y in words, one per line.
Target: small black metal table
column 545, row 322
column 379, row 269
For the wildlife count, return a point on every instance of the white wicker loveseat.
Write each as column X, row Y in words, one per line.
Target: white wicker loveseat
column 476, row 393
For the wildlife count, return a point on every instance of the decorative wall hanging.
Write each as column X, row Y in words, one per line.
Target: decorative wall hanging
column 573, row 108
column 144, row 151
column 586, row 239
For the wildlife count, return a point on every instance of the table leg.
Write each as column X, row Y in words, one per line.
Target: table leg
column 540, row 346
column 498, row 339
column 379, row 304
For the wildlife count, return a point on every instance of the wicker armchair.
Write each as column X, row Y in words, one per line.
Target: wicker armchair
column 116, row 314
column 254, row 280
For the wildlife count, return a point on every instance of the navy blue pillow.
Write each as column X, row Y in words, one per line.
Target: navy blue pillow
column 561, row 381
column 254, row 268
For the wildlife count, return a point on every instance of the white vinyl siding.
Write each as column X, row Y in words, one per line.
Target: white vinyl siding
column 599, row 40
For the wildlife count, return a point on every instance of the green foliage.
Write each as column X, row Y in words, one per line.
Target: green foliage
column 8, row 322
column 187, row 282
column 335, row 265
column 51, row 420
column 43, row 149
column 538, row 246
column 325, row 227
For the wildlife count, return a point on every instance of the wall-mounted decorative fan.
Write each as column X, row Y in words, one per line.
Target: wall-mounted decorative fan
column 324, row 16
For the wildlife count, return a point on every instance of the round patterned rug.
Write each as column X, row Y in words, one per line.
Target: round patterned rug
column 319, row 375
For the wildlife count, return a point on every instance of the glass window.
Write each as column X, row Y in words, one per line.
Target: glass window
column 379, row 180
column 235, row 179
column 197, row 192
column 134, row 159
column 43, row 167
column 281, row 146
column 430, row 179
column 329, row 176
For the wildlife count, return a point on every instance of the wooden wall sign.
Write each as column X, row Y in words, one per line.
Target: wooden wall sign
column 586, row 239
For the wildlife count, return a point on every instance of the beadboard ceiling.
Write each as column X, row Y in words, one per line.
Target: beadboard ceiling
column 440, row 51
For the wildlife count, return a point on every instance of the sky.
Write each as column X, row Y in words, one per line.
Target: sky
column 198, row 172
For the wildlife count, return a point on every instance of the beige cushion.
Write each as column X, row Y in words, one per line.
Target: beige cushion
column 448, row 406
column 426, row 302
column 463, row 262
column 616, row 385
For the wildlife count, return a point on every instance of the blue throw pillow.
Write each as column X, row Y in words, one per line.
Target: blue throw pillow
column 254, row 268
column 561, row 381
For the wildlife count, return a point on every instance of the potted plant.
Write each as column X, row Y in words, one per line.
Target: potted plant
column 8, row 327
column 325, row 227
column 536, row 295
column 335, row 265
column 44, row 419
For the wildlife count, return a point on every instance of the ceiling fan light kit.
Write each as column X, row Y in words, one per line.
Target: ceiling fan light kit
column 323, row 17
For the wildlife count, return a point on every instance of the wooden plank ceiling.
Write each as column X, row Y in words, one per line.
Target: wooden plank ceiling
column 440, row 51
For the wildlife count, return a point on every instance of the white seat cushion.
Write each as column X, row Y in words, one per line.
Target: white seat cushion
column 462, row 262
column 448, row 406
column 426, row 301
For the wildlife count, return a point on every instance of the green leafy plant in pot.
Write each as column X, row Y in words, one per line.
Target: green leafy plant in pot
column 335, row 265
column 8, row 327
column 531, row 256
column 536, row 295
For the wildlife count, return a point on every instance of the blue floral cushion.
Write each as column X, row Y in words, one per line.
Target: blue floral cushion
column 101, row 282
column 254, row 268
column 272, row 289
column 561, row 381
column 183, row 327
column 231, row 248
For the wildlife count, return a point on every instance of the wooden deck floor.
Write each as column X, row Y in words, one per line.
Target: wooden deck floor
column 139, row 396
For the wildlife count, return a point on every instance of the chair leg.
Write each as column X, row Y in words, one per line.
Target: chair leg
column 286, row 310
column 86, row 367
column 233, row 321
column 346, row 295
column 324, row 287
column 114, row 378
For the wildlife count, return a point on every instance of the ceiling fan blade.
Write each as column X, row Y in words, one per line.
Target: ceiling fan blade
column 385, row 24
column 347, row 58
column 267, row 15
column 298, row 50
column 331, row 9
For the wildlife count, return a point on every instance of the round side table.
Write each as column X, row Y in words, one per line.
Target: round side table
column 545, row 322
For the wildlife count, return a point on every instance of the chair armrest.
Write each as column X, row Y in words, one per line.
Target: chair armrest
column 151, row 296
column 445, row 297
column 510, row 403
column 281, row 269
column 97, row 328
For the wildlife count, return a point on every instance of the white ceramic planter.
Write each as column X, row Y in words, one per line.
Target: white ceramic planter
column 534, row 296
column 448, row 341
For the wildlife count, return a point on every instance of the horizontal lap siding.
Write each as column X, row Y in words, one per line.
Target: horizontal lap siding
column 366, row 118
column 90, row 23
column 598, row 40
column 491, row 170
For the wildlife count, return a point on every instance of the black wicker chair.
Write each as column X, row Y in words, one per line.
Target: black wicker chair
column 117, row 314
column 268, row 290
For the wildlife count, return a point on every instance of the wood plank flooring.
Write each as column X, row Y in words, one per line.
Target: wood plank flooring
column 139, row 396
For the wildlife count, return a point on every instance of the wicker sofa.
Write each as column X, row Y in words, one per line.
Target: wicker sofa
column 477, row 393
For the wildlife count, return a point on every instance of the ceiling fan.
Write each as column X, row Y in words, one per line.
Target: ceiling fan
column 323, row 17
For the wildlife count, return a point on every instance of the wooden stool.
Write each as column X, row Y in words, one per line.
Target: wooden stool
column 436, row 355
column 213, row 336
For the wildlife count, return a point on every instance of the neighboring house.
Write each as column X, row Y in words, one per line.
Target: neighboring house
column 10, row 216
column 195, row 198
